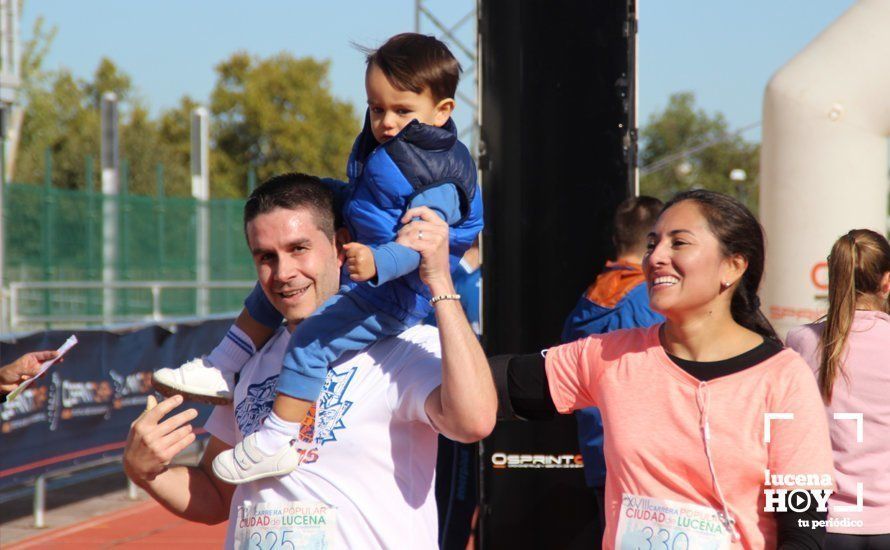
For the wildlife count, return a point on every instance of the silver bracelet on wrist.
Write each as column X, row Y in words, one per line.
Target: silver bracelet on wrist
column 441, row 297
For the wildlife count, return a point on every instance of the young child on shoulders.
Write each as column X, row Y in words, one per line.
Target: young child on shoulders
column 406, row 156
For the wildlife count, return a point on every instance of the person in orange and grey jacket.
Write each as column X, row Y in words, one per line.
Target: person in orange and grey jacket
column 617, row 299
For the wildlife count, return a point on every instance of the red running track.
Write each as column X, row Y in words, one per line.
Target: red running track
column 139, row 526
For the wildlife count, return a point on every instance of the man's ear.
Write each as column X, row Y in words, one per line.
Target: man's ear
column 341, row 237
column 443, row 111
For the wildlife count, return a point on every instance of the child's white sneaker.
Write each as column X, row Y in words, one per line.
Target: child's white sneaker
column 246, row 462
column 196, row 380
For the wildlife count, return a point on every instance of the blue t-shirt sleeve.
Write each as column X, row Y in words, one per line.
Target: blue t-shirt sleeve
column 442, row 200
column 393, row 260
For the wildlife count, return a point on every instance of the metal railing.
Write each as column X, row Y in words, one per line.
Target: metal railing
column 18, row 320
column 90, row 470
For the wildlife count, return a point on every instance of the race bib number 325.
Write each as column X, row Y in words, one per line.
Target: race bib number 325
column 647, row 523
column 285, row 526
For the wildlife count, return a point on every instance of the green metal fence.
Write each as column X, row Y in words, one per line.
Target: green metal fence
column 56, row 235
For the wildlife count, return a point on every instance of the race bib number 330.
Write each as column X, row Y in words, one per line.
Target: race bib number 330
column 647, row 523
column 285, row 526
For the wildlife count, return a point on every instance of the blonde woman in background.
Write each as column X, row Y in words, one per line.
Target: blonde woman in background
column 849, row 350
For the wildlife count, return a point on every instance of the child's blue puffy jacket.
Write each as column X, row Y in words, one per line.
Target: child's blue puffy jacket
column 383, row 179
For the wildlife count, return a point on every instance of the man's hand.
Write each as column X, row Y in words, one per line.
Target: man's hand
column 190, row 492
column 464, row 407
column 360, row 262
column 427, row 233
column 22, row 369
column 152, row 443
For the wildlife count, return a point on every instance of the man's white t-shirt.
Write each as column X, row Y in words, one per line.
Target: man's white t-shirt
column 374, row 457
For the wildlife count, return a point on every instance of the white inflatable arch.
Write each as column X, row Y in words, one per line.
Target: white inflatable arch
column 823, row 165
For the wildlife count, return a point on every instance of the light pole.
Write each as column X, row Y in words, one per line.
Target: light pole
column 3, row 117
column 10, row 79
column 200, row 168
column 739, row 176
column 3, row 123
column 110, row 196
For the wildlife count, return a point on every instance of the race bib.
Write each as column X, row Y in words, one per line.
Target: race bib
column 647, row 523
column 285, row 526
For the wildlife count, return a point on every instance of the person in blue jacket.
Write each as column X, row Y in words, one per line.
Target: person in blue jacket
column 617, row 299
column 406, row 156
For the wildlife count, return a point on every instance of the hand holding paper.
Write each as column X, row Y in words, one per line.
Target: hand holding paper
column 48, row 358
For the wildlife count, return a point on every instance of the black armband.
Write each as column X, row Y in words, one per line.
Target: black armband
column 521, row 383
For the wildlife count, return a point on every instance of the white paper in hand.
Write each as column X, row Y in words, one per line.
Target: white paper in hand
column 63, row 349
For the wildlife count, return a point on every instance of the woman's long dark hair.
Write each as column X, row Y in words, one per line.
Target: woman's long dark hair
column 740, row 233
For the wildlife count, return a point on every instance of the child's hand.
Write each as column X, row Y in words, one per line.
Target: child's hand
column 360, row 262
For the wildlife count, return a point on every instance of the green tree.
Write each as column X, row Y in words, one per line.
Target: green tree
column 62, row 115
column 275, row 113
column 278, row 114
column 144, row 147
column 56, row 120
column 713, row 152
column 107, row 78
column 34, row 52
column 174, row 127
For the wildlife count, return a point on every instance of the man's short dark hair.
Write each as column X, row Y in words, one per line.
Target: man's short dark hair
column 414, row 62
column 634, row 218
column 293, row 191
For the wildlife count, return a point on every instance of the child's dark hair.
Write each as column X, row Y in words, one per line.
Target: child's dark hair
column 856, row 268
column 414, row 62
column 292, row 191
column 634, row 218
column 740, row 233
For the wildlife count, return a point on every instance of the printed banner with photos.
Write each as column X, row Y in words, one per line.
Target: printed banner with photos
column 81, row 409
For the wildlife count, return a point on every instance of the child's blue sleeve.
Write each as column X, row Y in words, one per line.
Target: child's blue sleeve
column 394, row 260
column 442, row 200
column 340, row 190
column 261, row 309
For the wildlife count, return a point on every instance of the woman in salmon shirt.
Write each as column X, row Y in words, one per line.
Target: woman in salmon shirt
column 689, row 451
column 848, row 351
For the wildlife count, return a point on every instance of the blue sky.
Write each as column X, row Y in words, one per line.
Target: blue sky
column 723, row 51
